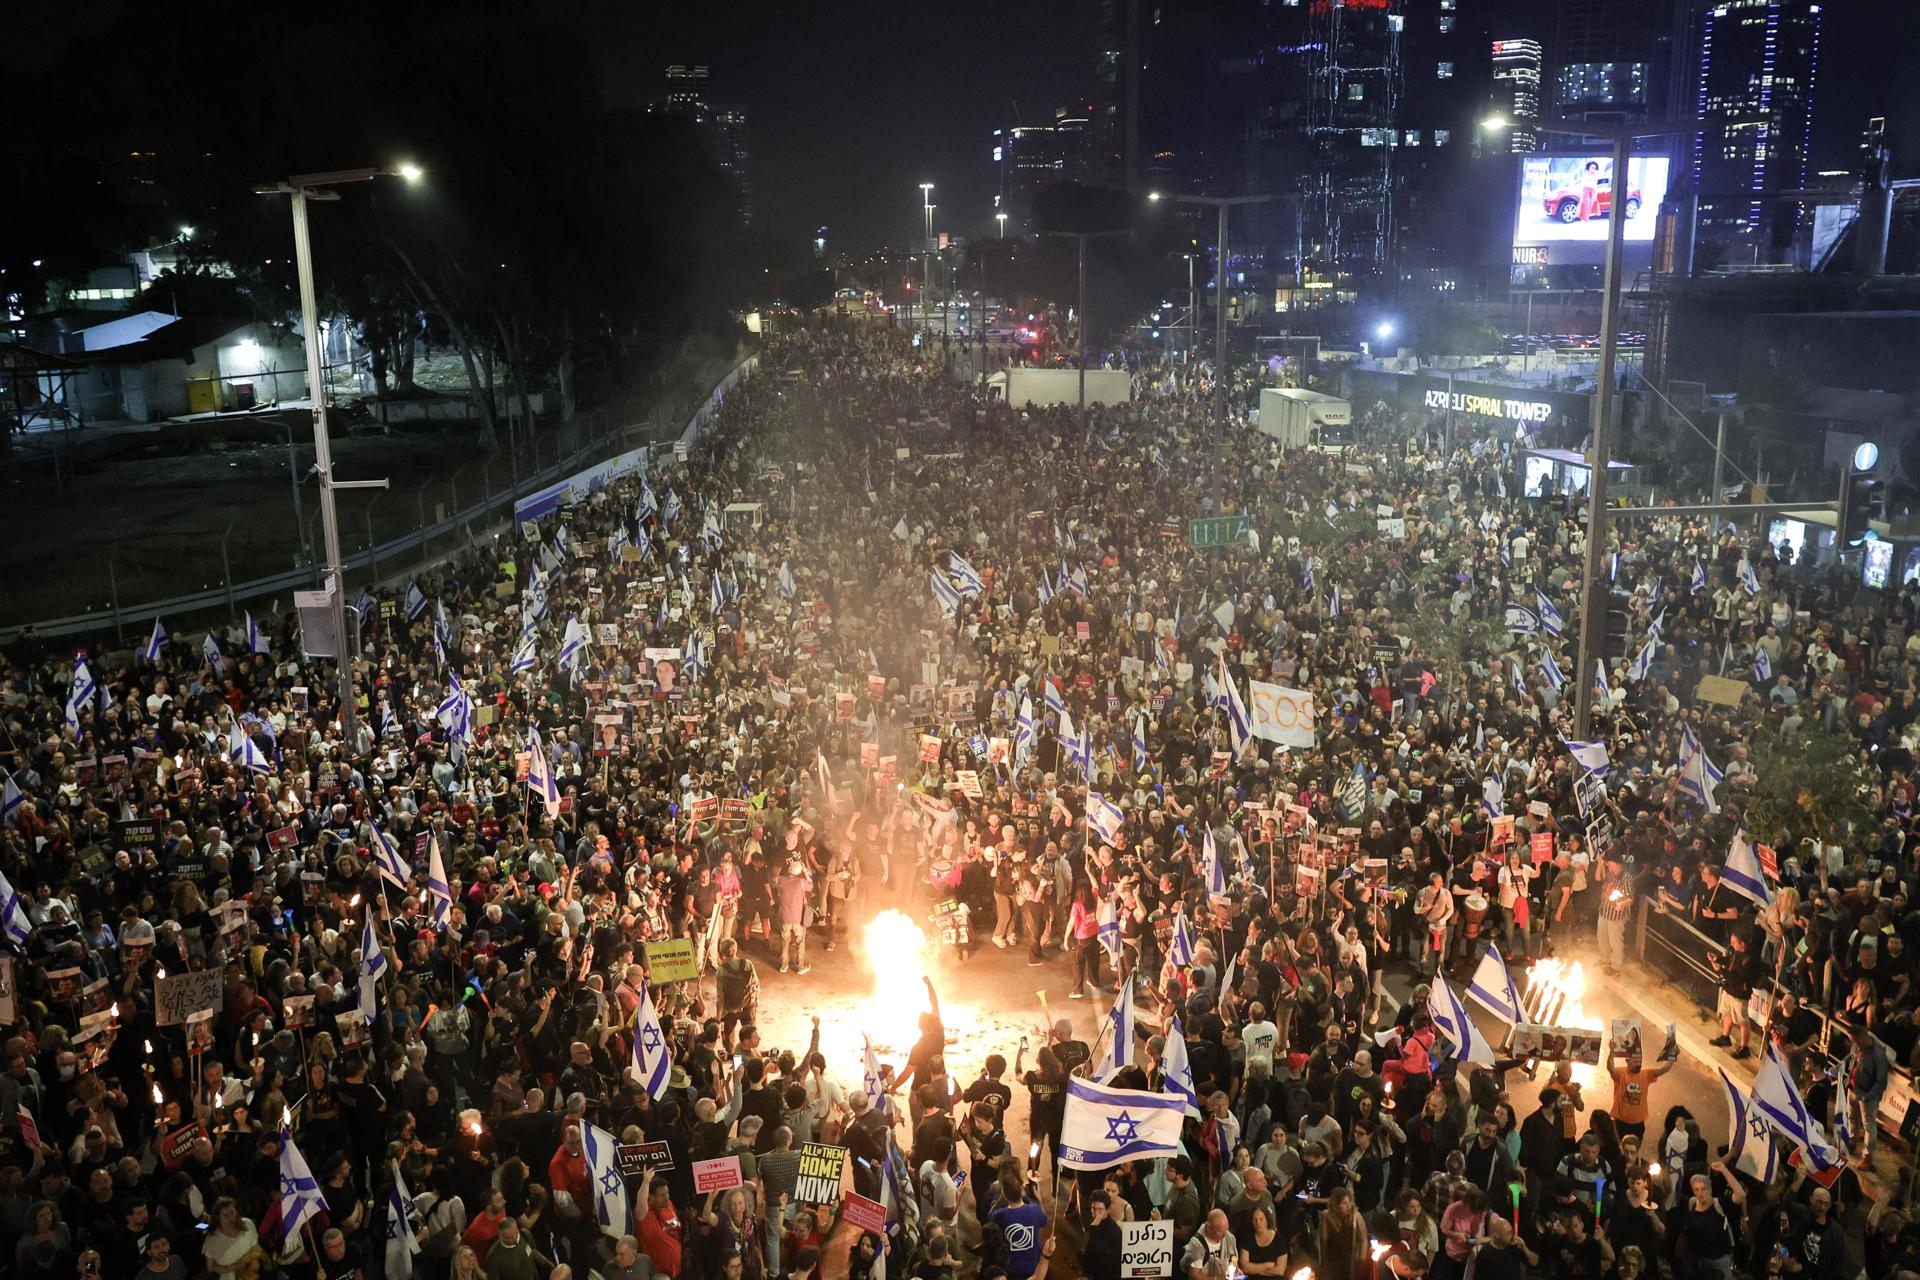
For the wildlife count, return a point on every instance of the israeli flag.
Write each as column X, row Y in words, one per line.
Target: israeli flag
column 300, row 1197
column 1212, row 865
column 1047, row 592
column 1699, row 583
column 1180, row 946
column 256, row 639
column 1643, row 662
column 965, row 574
column 387, row 860
column 243, row 752
column 1023, row 732
column 1549, row 616
column 156, row 642
column 1749, row 579
column 364, row 605
column 1108, row 930
column 1306, row 578
column 1743, row 873
column 1600, row 689
column 1658, row 626
column 573, row 643
column 1176, row 1072
column 1842, row 1114
column 1591, row 756
column 1699, row 776
column 1333, row 602
column 788, row 588
column 455, row 712
column 695, row 660
column 1104, row 1127
column 1762, row 666
column 609, row 1184
column 1492, row 986
column 1239, row 725
column 389, row 723
column 13, row 916
column 373, row 963
column 1751, row 1149
column 1077, row 582
column 1779, row 1103
column 1551, row 670
column 401, row 1241
column 1105, row 818
column 540, row 773
column 1492, row 797
column 652, row 1058
column 872, row 1083
column 944, row 595
column 12, row 800
column 1140, row 760
column 82, row 692
column 900, row 531
column 710, row 532
column 525, row 655
column 439, row 890
column 648, row 507
column 672, row 510
column 1120, row 1027
column 1050, row 694
column 1451, row 1019
column 415, row 601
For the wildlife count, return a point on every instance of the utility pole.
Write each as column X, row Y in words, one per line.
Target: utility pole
column 1221, row 204
column 1083, row 237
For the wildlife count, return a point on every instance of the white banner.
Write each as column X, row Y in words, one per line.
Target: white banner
column 1280, row 714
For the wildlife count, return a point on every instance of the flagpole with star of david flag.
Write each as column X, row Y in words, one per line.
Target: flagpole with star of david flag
column 609, row 1187
column 402, row 1244
column 872, row 1083
column 1104, row 1127
column 652, row 1061
column 300, row 1198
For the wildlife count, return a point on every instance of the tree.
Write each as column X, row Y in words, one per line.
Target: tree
column 1811, row 783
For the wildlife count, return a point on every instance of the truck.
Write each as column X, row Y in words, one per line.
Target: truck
column 1023, row 387
column 1302, row 419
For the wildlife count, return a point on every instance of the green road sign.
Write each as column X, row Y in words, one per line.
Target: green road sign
column 1218, row 531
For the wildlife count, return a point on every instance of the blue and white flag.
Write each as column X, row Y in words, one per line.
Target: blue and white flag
column 1068, row 735
column 1239, row 724
column 1551, row 670
column 965, row 574
column 1750, row 1147
column 671, row 511
column 944, row 594
column 1451, row 1019
column 1493, row 988
column 1591, row 756
column 1107, row 930
column 873, row 1082
column 393, row 868
column 1549, row 616
column 256, row 638
column 455, row 712
column 1600, row 690
column 1333, row 602
column 1748, row 578
column 1493, row 797
column 1047, row 591
column 1023, row 732
column 82, row 692
column 1742, row 872
column 716, row 595
column 1658, row 626
column 1213, row 866
column 1643, row 662
column 1050, row 694
column 525, row 655
column 1120, row 1029
column 12, row 800
column 652, row 1057
column 1699, row 582
column 694, row 659
column 649, row 507
column 13, row 916
column 1176, row 1072
column 156, row 642
column 242, row 750
column 788, row 588
column 1352, row 796
column 300, row 1197
column 1306, row 578
column 1180, row 945
column 1699, row 776
column 711, row 533
column 1105, row 817
column 1076, row 582
column 1140, row 759
column 364, row 605
column 1104, row 1127
column 415, row 601
column 573, row 643
column 1842, row 1114
column 402, row 1244
column 1518, row 677
column 373, row 964
column 540, row 777
column 1778, row 1100
column 439, row 889
column 609, row 1184
column 1762, row 666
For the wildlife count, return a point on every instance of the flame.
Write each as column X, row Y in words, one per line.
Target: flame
column 896, row 954
column 1654, row 1168
column 158, row 1098
column 1555, row 995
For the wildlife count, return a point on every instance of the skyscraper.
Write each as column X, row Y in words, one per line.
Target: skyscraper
column 1608, row 58
column 1031, row 157
column 1758, row 63
column 721, row 127
column 1517, row 66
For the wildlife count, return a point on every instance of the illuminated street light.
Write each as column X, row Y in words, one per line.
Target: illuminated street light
column 1495, row 123
column 410, row 172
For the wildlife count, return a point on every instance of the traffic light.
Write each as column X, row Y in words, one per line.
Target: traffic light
column 1859, row 503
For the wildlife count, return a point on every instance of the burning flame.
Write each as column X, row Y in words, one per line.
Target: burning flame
column 158, row 1098
column 1555, row 993
column 896, row 952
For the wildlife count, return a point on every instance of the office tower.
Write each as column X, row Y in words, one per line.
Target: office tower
column 1517, row 66
column 721, row 127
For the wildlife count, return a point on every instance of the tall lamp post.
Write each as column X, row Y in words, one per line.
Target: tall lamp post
column 299, row 190
column 1221, row 204
column 1083, row 237
column 926, row 254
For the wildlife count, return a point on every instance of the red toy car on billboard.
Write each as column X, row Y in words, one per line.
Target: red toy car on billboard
column 1585, row 201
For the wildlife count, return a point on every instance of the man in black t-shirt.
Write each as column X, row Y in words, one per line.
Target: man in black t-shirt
column 989, row 1087
column 1739, row 970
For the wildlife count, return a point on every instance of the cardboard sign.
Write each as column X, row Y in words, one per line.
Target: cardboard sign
column 1721, row 690
column 281, row 839
column 1573, row 1044
column 175, row 1147
column 869, row 755
column 672, row 961
column 1146, row 1249
column 868, row 1215
column 634, row 1158
column 722, row 1174
column 179, row 996
column 139, row 833
column 843, row 706
column 1503, row 831
column 822, row 1168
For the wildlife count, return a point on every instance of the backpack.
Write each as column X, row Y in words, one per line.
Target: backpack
column 440, row 1227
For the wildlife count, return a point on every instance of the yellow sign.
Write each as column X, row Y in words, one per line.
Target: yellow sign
column 1722, row 690
column 672, row 961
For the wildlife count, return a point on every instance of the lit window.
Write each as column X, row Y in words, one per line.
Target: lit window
column 1446, row 26
column 1412, row 138
column 1356, row 92
column 1446, row 71
column 1440, row 137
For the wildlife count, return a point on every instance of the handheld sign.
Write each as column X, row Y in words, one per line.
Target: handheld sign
column 722, row 1174
column 1146, row 1249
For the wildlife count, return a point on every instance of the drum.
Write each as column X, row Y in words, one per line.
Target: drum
column 1473, row 914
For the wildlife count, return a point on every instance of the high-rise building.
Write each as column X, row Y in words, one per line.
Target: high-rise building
column 1113, row 99
column 1758, row 64
column 721, row 127
column 1610, row 59
column 1031, row 157
column 1517, row 66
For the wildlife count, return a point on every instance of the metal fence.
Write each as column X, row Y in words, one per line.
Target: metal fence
column 591, row 437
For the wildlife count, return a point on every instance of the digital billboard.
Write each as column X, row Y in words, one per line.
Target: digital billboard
column 1570, row 199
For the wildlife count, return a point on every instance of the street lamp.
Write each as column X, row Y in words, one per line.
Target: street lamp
column 926, row 253
column 1222, row 204
column 1383, row 330
column 1001, row 218
column 1083, row 237
column 1494, row 123
column 299, row 190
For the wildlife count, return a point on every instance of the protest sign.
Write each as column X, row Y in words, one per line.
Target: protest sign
column 822, row 1168
column 722, row 1174
column 1146, row 1249
column 178, row 996
column 1279, row 714
column 672, row 961
column 634, row 1158
column 868, row 1215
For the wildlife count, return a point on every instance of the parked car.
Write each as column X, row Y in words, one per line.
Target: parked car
column 1563, row 203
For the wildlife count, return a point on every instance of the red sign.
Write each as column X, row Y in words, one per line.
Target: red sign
column 1542, row 847
column 868, row 1215
column 722, row 1174
column 1769, row 861
column 280, row 839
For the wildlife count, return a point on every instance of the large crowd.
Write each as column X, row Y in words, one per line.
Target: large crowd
column 872, row 640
